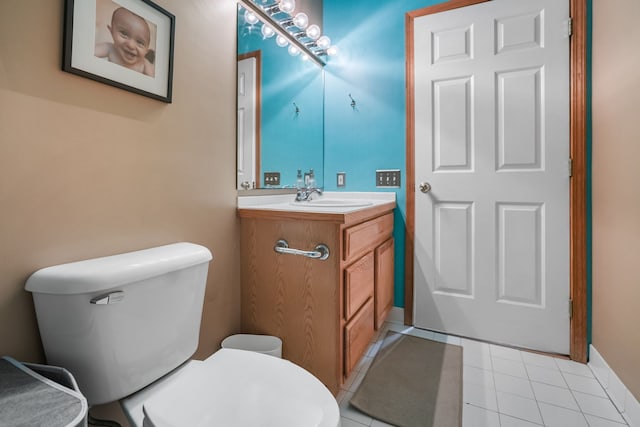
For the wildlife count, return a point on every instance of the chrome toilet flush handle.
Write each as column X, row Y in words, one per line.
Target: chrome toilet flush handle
column 110, row 298
column 321, row 251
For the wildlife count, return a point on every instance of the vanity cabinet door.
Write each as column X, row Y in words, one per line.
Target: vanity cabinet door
column 357, row 336
column 383, row 281
column 358, row 284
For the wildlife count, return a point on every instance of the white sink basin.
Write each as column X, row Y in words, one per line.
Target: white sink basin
column 332, row 203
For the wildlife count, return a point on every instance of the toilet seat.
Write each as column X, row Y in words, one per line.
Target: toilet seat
column 242, row 389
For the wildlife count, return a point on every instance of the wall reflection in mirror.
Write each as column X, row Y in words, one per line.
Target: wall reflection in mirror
column 280, row 112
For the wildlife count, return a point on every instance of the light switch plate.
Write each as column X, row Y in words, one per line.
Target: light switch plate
column 388, row 178
column 272, row 178
column 341, row 179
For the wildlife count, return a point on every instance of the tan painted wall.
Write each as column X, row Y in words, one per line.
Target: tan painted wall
column 89, row 170
column 616, row 187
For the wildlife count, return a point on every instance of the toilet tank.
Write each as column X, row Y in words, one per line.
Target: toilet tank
column 120, row 322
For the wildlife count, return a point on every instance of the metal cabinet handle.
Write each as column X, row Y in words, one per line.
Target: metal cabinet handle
column 321, row 251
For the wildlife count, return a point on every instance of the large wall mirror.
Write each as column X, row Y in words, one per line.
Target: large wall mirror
column 280, row 112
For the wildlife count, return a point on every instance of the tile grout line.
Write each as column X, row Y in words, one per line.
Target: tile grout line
column 534, row 392
column 495, row 388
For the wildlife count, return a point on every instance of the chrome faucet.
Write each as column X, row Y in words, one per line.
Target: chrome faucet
column 304, row 194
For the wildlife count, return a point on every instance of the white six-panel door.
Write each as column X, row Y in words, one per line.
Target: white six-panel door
column 492, row 140
column 246, row 123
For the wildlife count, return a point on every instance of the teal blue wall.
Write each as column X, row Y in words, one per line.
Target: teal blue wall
column 289, row 141
column 370, row 66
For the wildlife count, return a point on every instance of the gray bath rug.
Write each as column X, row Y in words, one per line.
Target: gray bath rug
column 413, row 382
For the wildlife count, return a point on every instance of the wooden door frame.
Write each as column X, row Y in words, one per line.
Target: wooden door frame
column 257, row 54
column 578, row 203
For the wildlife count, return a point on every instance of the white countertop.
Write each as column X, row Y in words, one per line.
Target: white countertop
column 286, row 202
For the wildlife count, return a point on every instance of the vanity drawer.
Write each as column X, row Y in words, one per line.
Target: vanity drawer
column 357, row 336
column 366, row 236
column 358, row 284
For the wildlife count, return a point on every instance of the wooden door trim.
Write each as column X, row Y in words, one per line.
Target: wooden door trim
column 578, row 205
column 578, row 186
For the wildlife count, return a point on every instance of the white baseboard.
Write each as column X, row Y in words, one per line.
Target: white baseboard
column 626, row 402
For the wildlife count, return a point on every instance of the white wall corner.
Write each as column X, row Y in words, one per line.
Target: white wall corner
column 621, row 397
column 396, row 315
column 617, row 391
column 599, row 366
column 632, row 412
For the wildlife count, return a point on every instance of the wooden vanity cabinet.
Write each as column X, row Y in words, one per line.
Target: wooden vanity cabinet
column 384, row 279
column 325, row 312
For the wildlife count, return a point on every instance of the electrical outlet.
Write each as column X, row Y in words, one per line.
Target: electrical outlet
column 272, row 178
column 341, row 179
column 388, row 178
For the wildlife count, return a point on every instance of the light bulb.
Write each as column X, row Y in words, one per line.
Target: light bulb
column 250, row 18
column 301, row 20
column 313, row 32
column 332, row 51
column 267, row 31
column 287, row 6
column 293, row 50
column 324, row 42
column 281, row 41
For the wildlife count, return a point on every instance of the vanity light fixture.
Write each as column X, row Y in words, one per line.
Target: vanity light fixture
column 267, row 31
column 301, row 20
column 313, row 32
column 291, row 30
column 281, row 41
column 250, row 18
column 323, row 42
column 293, row 50
column 284, row 6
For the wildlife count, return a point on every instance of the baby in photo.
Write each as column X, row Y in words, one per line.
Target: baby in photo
column 131, row 42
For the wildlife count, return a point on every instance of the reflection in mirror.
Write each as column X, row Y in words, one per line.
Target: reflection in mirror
column 280, row 112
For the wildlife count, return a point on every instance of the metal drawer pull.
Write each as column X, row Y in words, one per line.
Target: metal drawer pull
column 321, row 251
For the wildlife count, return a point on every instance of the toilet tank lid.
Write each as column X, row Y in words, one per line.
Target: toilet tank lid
column 116, row 270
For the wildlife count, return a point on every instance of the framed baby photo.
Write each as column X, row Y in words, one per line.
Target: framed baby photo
column 123, row 43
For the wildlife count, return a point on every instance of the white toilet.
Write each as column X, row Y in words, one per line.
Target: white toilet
column 126, row 327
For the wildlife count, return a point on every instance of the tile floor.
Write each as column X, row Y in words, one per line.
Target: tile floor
column 503, row 387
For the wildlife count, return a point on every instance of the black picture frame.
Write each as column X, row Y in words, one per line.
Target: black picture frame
column 123, row 43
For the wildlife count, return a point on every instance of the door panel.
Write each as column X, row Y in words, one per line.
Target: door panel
column 452, row 124
column 520, row 260
column 453, row 248
column 519, row 100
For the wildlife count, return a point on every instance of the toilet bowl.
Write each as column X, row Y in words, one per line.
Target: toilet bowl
column 126, row 326
column 236, row 388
